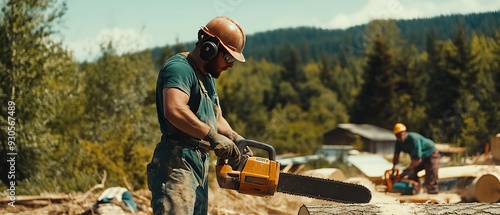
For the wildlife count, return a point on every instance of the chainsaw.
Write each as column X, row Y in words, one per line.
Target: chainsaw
column 397, row 183
column 262, row 177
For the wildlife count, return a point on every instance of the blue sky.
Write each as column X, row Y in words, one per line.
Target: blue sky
column 136, row 25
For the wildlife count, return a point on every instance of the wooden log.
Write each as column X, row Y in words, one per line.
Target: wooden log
column 52, row 197
column 495, row 146
column 442, row 198
column 488, row 188
column 465, row 171
column 485, row 188
column 391, row 209
column 37, row 201
column 327, row 173
column 287, row 168
column 469, row 194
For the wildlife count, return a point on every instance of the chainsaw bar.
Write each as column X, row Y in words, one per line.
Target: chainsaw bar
column 325, row 189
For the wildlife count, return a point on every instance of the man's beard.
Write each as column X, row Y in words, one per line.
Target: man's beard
column 211, row 67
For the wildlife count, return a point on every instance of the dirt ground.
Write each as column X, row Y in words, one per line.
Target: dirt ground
column 229, row 202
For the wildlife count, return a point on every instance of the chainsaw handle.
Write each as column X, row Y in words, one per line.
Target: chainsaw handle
column 246, row 142
column 395, row 172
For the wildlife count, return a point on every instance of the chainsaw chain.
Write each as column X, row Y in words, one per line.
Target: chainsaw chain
column 325, row 189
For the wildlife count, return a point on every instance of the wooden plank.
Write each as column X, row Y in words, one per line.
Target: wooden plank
column 327, row 173
column 448, row 149
column 465, row 171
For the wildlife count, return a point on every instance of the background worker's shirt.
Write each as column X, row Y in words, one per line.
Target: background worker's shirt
column 416, row 145
column 176, row 72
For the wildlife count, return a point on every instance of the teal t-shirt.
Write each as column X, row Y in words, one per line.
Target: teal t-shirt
column 176, row 72
column 416, row 145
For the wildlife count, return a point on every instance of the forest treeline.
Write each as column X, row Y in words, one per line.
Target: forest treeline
column 313, row 42
column 74, row 120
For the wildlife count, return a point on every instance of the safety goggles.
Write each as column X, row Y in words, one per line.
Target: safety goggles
column 228, row 57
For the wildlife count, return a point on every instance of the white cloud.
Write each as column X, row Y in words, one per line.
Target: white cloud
column 431, row 8
column 374, row 9
column 124, row 40
column 405, row 9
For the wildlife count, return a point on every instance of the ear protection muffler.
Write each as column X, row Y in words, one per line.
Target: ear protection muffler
column 209, row 47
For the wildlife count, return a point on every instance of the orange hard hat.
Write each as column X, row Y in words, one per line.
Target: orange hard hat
column 230, row 34
column 399, row 127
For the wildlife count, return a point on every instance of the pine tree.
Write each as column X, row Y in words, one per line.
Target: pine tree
column 407, row 105
column 341, row 80
column 463, row 121
column 444, row 90
column 484, row 92
column 373, row 104
column 437, row 74
column 291, row 76
column 292, row 66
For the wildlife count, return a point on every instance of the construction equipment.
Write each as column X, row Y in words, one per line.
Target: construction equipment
column 396, row 183
column 262, row 177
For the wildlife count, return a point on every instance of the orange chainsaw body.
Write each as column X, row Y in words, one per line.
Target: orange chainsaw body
column 259, row 176
column 397, row 184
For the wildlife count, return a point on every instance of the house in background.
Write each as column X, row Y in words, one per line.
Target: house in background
column 341, row 144
column 333, row 153
column 370, row 138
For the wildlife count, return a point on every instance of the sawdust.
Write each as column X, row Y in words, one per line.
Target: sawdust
column 230, row 202
column 221, row 202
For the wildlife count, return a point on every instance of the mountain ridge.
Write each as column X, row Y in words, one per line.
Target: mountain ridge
column 312, row 42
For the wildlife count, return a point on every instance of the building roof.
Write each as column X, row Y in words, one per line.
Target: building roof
column 368, row 131
column 371, row 165
column 297, row 160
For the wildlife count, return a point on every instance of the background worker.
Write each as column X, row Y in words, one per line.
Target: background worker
column 423, row 153
column 191, row 120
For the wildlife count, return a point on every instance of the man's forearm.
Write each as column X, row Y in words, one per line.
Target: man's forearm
column 225, row 129
column 414, row 162
column 223, row 126
column 395, row 159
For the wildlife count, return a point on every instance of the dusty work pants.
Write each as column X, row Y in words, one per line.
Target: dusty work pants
column 178, row 180
column 431, row 167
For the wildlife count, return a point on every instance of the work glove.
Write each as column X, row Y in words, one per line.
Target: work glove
column 237, row 138
column 223, row 147
column 409, row 173
column 245, row 154
column 246, row 151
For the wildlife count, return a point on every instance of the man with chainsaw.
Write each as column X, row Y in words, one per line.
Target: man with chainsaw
column 423, row 153
column 191, row 120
